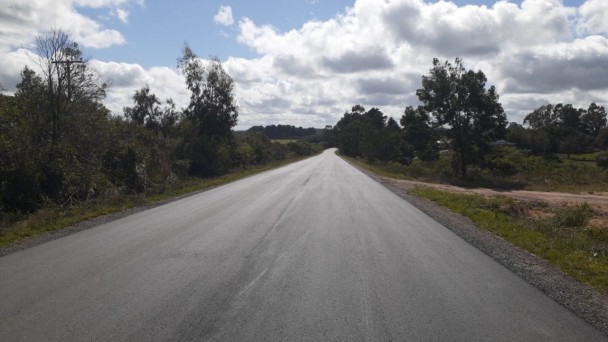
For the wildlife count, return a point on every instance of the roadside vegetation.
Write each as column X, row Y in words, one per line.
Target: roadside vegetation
column 459, row 135
column 526, row 171
column 65, row 158
column 17, row 226
column 562, row 235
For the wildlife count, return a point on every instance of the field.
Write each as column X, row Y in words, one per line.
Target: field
column 284, row 141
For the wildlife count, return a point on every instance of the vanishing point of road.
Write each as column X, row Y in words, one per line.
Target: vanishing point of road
column 313, row 251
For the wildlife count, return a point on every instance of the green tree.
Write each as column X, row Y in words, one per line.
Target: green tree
column 19, row 160
column 542, row 117
column 348, row 130
column 417, row 132
column 594, row 119
column 147, row 112
column 212, row 108
column 601, row 141
column 61, row 122
column 470, row 113
column 362, row 133
column 146, row 108
column 371, row 134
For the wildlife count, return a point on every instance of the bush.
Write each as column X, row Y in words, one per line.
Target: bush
column 505, row 161
column 573, row 217
column 300, row 148
column 602, row 160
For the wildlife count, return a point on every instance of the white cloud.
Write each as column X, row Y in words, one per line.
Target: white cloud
column 580, row 64
column 594, row 17
column 122, row 15
column 374, row 53
column 125, row 78
column 224, row 16
column 23, row 20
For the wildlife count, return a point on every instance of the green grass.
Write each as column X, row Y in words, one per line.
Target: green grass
column 556, row 173
column 562, row 238
column 53, row 218
column 584, row 157
column 380, row 169
column 284, row 141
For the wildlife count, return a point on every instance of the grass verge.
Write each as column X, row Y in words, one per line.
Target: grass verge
column 512, row 169
column 559, row 234
column 53, row 218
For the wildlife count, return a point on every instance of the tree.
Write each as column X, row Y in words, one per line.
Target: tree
column 19, row 166
column 146, row 108
column 62, row 113
column 362, row 133
column 70, row 81
column 459, row 102
column 594, row 120
column 569, row 117
column 212, row 101
column 541, row 117
column 348, row 130
column 31, row 97
column 213, row 109
column 147, row 112
column 418, row 133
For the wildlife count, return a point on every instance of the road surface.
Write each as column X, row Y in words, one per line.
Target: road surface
column 314, row 251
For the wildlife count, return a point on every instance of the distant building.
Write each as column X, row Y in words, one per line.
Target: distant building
column 329, row 127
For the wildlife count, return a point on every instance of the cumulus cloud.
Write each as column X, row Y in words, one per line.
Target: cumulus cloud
column 122, row 15
column 224, row 16
column 125, row 78
column 594, row 17
column 580, row 64
column 23, row 20
column 476, row 30
column 387, row 86
column 356, row 61
column 373, row 53
column 376, row 51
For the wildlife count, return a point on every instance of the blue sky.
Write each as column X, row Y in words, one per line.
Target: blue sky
column 156, row 32
column 305, row 62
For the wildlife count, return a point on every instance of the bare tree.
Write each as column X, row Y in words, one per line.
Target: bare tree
column 70, row 81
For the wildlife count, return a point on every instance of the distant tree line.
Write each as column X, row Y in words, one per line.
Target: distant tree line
column 561, row 128
column 458, row 113
column 283, row 131
column 462, row 118
column 59, row 145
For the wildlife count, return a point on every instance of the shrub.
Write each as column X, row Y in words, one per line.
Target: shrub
column 602, row 159
column 574, row 217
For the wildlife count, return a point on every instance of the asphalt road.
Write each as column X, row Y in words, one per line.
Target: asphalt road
column 314, row 251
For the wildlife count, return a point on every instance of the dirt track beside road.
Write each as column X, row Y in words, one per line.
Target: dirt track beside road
column 597, row 200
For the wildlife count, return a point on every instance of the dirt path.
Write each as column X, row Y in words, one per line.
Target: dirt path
column 598, row 201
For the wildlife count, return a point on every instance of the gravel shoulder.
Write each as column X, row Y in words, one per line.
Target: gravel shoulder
column 579, row 298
